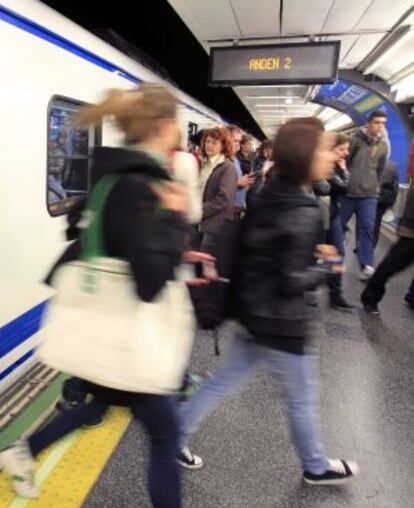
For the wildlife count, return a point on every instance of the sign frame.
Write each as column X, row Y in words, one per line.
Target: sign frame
column 275, row 82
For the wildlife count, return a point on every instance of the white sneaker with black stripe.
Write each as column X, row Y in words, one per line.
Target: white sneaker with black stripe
column 189, row 461
column 17, row 461
column 339, row 471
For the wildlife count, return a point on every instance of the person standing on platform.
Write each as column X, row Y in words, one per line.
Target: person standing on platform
column 260, row 163
column 367, row 156
column 244, row 181
column 245, row 154
column 218, row 185
column 389, row 185
column 400, row 257
column 184, row 170
column 264, row 155
column 338, row 183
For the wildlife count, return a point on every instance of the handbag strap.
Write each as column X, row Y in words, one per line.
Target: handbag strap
column 92, row 243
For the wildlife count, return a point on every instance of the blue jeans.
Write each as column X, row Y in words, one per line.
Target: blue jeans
column 297, row 377
column 366, row 212
column 335, row 237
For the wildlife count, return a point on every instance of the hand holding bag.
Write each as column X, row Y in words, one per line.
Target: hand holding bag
column 96, row 327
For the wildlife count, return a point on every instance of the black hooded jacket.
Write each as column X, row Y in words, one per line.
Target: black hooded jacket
column 276, row 265
column 136, row 227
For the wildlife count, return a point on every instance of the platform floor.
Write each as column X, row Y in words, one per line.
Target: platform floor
column 367, row 405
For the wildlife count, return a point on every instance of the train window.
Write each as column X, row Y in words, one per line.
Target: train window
column 68, row 155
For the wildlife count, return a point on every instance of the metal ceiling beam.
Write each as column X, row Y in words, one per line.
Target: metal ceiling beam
column 397, row 31
column 258, row 38
column 406, row 71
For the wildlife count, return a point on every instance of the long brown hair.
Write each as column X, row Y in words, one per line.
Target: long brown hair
column 135, row 112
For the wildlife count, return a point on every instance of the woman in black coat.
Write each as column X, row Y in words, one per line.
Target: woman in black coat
column 276, row 267
column 338, row 183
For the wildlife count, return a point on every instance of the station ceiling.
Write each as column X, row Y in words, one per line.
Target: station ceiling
column 376, row 38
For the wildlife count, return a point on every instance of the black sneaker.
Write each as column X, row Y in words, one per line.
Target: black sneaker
column 371, row 308
column 65, row 405
column 189, row 461
column 93, row 425
column 339, row 302
column 340, row 471
column 409, row 303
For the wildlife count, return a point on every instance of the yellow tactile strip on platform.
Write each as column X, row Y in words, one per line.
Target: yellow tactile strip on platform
column 68, row 471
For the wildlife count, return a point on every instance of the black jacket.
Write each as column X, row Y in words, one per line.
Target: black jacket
column 389, row 184
column 406, row 224
column 275, row 269
column 338, row 187
column 135, row 225
column 245, row 163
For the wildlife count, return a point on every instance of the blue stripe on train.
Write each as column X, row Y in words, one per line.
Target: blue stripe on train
column 18, row 331
column 40, row 31
column 16, row 364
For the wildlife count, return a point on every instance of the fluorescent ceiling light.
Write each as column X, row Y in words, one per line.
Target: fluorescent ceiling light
column 273, row 97
column 390, row 51
column 401, row 75
column 327, row 114
column 286, row 106
column 270, row 86
column 404, row 88
column 338, row 123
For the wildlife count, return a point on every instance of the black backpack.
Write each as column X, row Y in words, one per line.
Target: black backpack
column 212, row 303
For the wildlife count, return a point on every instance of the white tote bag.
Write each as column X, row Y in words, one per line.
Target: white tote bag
column 97, row 328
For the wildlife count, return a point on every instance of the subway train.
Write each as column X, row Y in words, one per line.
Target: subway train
column 50, row 68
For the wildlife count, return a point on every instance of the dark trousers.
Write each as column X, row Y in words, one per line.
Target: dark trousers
column 381, row 209
column 209, row 243
column 335, row 237
column 400, row 256
column 75, row 390
column 158, row 415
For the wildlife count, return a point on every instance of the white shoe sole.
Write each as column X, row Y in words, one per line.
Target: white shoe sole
column 339, row 481
column 190, row 468
column 329, row 482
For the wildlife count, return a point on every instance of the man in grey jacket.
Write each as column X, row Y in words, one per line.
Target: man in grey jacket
column 367, row 156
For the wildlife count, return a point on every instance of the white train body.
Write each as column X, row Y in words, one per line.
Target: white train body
column 45, row 55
